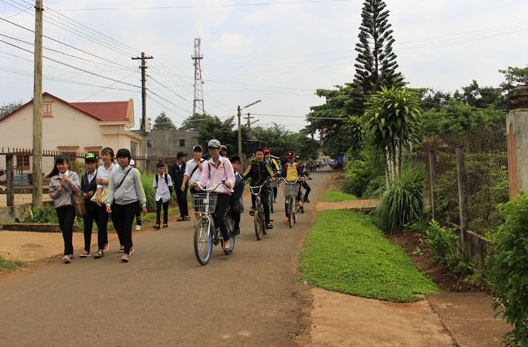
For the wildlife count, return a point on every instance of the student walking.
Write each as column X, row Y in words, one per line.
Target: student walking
column 64, row 183
column 103, row 175
column 237, row 205
column 88, row 189
column 124, row 192
column 163, row 185
column 138, row 213
column 177, row 172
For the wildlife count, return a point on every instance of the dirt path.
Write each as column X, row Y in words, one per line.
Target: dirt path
column 164, row 298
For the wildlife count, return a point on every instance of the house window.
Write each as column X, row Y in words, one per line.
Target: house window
column 149, row 143
column 22, row 161
column 47, row 110
column 182, row 142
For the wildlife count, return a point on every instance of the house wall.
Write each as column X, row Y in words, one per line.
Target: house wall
column 68, row 130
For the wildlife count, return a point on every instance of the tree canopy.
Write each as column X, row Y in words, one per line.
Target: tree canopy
column 376, row 64
column 163, row 122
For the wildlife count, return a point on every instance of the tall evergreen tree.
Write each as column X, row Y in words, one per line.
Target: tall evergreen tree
column 376, row 63
column 163, row 122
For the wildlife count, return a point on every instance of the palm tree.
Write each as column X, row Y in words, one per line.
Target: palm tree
column 394, row 123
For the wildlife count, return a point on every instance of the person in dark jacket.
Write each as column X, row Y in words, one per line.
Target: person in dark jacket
column 177, row 171
column 259, row 172
column 237, row 206
column 88, row 188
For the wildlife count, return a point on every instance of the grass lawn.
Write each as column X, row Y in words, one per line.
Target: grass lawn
column 336, row 195
column 345, row 252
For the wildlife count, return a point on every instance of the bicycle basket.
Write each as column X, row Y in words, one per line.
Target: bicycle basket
column 291, row 189
column 199, row 201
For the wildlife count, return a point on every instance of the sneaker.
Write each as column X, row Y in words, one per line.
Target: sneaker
column 269, row 225
column 84, row 254
column 66, row 259
column 138, row 227
column 236, row 231
column 124, row 258
column 157, row 227
column 165, row 226
column 131, row 251
column 99, row 254
column 307, row 201
column 106, row 247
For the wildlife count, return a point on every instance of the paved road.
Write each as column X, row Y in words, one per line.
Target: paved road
column 163, row 297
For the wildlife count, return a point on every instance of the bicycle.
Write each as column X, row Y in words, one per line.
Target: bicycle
column 205, row 233
column 259, row 220
column 291, row 189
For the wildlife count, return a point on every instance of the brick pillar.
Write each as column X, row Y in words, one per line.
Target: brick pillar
column 517, row 132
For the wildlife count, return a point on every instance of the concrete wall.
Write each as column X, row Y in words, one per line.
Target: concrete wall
column 165, row 144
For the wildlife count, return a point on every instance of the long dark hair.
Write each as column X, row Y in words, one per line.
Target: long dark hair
column 60, row 159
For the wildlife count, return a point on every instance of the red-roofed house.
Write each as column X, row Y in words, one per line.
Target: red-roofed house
column 73, row 127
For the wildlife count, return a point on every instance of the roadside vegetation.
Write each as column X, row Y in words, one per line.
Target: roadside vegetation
column 345, row 252
column 336, row 196
column 7, row 266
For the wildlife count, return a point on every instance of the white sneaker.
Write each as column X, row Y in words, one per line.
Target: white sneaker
column 138, row 227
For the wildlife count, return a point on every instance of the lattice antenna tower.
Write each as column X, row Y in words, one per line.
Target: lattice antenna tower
column 198, row 102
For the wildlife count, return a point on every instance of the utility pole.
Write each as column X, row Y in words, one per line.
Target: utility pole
column 143, row 67
column 36, row 199
column 249, row 118
column 239, row 116
column 198, row 101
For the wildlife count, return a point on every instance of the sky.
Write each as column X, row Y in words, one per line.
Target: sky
column 276, row 51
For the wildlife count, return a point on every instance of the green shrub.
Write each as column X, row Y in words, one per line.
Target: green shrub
column 507, row 267
column 45, row 214
column 402, row 203
column 444, row 244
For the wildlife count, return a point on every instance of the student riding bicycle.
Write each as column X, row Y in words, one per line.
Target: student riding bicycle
column 259, row 172
column 275, row 166
column 217, row 170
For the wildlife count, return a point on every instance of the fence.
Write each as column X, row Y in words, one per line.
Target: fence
column 467, row 177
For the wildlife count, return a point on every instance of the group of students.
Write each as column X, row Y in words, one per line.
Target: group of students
column 115, row 191
column 110, row 190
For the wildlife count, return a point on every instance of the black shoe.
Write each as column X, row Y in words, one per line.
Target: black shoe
column 236, row 231
column 269, row 225
column 307, row 201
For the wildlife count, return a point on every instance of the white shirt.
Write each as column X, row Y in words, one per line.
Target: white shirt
column 104, row 174
column 162, row 190
column 191, row 164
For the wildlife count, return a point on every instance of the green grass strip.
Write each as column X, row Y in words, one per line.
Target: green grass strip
column 336, row 195
column 344, row 252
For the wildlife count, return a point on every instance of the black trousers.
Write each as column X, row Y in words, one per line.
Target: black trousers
column 181, row 198
column 159, row 205
column 222, row 204
column 66, row 216
column 88, row 220
column 123, row 218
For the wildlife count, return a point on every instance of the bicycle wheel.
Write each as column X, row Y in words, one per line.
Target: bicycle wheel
column 203, row 241
column 291, row 213
column 262, row 220
column 257, row 223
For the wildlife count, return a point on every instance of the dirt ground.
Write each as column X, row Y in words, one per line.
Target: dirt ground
column 330, row 319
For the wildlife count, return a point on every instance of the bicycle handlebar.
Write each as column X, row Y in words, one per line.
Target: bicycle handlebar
column 211, row 190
